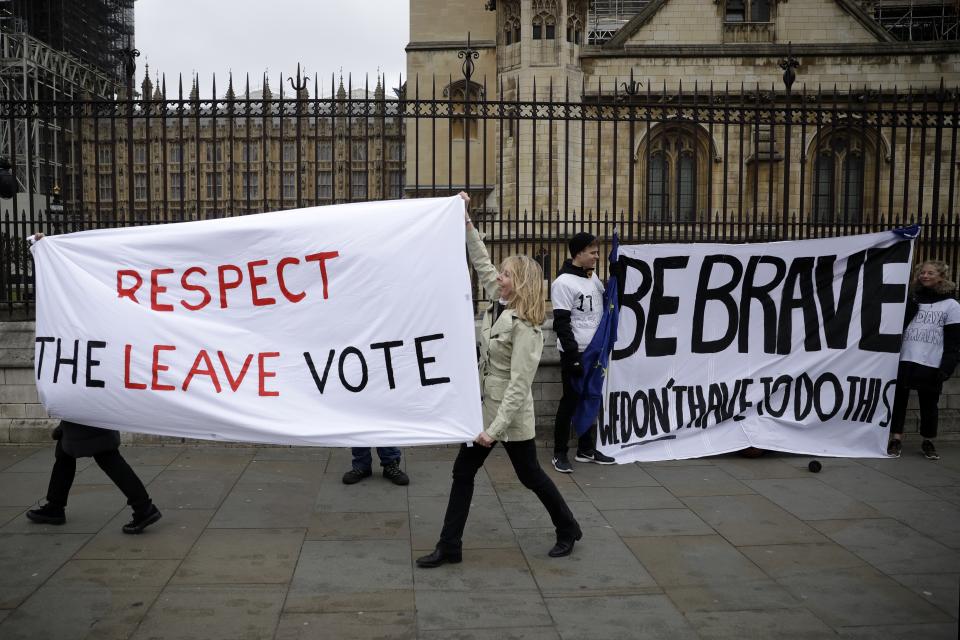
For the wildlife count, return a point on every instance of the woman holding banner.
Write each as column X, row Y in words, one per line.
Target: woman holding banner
column 928, row 354
column 511, row 342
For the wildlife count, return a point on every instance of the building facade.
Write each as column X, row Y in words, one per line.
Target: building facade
column 187, row 159
column 679, row 111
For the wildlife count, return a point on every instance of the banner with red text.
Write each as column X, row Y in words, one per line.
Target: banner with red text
column 789, row 346
column 348, row 325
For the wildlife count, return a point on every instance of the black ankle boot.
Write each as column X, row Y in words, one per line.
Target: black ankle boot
column 564, row 546
column 439, row 557
column 47, row 514
column 142, row 519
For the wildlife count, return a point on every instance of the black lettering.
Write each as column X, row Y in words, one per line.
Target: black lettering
column 801, row 272
column 661, row 305
column 720, row 294
column 818, row 401
column 762, row 295
column 837, row 312
column 423, row 361
column 43, row 340
column 91, row 363
column 632, row 301
column 70, row 361
column 320, row 382
column 876, row 293
column 387, row 360
column 363, row 369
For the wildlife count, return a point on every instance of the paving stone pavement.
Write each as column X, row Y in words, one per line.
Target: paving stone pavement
column 267, row 543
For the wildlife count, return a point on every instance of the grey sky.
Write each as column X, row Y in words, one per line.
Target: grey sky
column 254, row 36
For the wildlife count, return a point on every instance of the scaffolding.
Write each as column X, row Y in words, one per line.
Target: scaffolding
column 605, row 17
column 918, row 20
column 56, row 50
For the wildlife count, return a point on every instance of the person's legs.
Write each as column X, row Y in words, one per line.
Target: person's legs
column 897, row 418
column 523, row 456
column 565, row 408
column 388, row 455
column 61, row 477
column 390, row 461
column 465, row 469
column 362, row 459
column 126, row 479
column 929, row 418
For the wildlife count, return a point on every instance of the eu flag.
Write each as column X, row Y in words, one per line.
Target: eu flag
column 596, row 357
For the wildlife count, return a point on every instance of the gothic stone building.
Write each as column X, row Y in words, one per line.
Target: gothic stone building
column 702, row 60
column 186, row 158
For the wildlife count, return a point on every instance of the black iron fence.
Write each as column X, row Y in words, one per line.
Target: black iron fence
column 541, row 163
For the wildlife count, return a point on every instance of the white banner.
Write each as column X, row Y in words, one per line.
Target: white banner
column 336, row 326
column 789, row 346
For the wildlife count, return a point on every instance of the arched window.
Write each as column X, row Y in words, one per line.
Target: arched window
column 677, row 158
column 463, row 98
column 657, row 181
column 841, row 168
column 574, row 22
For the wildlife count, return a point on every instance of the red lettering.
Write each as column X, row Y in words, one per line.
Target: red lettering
column 195, row 287
column 156, row 368
column 225, row 284
column 126, row 371
column 266, row 374
column 208, row 371
column 256, row 281
column 322, row 258
column 292, row 297
column 235, row 384
column 156, row 289
column 128, row 292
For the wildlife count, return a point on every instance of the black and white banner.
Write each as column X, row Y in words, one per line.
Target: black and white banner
column 789, row 346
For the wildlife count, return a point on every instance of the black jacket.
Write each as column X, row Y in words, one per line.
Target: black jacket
column 81, row 441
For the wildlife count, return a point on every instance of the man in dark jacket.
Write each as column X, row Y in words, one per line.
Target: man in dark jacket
column 577, row 296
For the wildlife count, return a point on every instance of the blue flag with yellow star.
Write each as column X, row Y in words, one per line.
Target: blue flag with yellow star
column 596, row 357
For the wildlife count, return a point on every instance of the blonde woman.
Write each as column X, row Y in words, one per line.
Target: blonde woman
column 511, row 342
column 928, row 354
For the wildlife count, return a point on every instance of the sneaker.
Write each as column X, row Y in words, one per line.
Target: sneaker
column 894, row 447
column 356, row 475
column 594, row 456
column 395, row 474
column 47, row 514
column 929, row 451
column 561, row 464
column 142, row 520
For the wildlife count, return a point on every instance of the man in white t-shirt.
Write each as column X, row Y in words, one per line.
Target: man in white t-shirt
column 577, row 296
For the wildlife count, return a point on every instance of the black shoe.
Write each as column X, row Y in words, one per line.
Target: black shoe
column 564, row 546
column 929, row 451
column 561, row 464
column 47, row 514
column 438, row 557
column 355, row 475
column 594, row 456
column 395, row 474
column 894, row 447
column 142, row 520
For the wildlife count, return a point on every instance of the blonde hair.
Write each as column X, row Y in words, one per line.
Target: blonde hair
column 528, row 294
column 946, row 284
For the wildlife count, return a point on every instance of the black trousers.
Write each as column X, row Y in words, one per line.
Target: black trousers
column 112, row 463
column 561, row 426
column 523, row 456
column 929, row 413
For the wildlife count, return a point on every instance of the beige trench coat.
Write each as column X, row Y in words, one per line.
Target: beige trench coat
column 509, row 356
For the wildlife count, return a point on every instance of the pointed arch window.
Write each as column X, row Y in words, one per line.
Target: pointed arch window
column 677, row 166
column 839, row 174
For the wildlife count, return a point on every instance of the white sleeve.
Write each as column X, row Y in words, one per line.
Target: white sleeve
column 953, row 313
column 561, row 295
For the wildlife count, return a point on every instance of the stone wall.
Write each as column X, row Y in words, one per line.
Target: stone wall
column 23, row 420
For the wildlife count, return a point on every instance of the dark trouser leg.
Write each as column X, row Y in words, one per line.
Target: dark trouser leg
column 561, row 425
column 900, row 397
column 929, row 413
column 117, row 469
column 523, row 456
column 362, row 460
column 468, row 462
column 61, row 477
column 588, row 441
column 388, row 455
